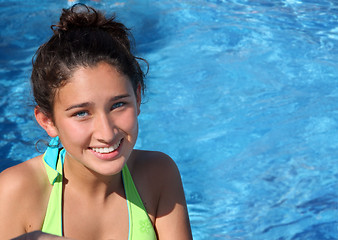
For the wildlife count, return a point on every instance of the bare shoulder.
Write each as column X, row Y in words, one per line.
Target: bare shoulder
column 19, row 178
column 155, row 164
column 23, row 190
column 152, row 159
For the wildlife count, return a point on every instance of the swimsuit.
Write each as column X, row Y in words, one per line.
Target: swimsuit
column 140, row 226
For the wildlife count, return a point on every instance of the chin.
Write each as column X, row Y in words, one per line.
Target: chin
column 109, row 169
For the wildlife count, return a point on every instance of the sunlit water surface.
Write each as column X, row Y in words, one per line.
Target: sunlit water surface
column 242, row 94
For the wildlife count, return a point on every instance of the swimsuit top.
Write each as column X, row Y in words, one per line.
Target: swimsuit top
column 140, row 226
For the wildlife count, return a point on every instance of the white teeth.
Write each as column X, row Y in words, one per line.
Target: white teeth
column 107, row 149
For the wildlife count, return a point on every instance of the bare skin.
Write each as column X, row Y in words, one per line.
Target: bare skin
column 97, row 108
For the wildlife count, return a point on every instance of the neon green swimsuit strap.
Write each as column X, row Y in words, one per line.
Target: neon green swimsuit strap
column 140, row 226
column 53, row 161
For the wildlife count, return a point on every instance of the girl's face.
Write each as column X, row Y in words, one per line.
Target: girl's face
column 95, row 117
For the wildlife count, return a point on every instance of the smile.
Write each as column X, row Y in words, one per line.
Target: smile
column 107, row 149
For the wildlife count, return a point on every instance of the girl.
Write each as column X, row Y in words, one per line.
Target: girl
column 88, row 85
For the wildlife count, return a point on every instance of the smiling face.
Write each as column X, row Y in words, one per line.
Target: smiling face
column 95, row 117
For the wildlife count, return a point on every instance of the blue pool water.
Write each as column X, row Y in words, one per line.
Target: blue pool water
column 241, row 93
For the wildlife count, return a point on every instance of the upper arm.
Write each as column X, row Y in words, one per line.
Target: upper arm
column 172, row 221
column 11, row 217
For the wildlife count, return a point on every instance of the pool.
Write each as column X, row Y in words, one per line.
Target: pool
column 241, row 93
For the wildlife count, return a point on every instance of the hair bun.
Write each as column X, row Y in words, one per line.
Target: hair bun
column 82, row 16
column 79, row 16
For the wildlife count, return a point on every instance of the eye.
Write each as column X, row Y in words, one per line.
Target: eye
column 117, row 105
column 81, row 114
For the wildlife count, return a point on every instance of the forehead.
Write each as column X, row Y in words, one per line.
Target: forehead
column 90, row 83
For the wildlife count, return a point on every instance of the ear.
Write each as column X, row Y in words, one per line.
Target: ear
column 138, row 98
column 45, row 122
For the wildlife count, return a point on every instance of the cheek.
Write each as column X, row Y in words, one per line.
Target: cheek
column 73, row 132
column 128, row 122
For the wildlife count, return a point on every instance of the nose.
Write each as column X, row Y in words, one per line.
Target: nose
column 104, row 128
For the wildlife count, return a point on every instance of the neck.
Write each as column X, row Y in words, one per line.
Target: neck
column 78, row 177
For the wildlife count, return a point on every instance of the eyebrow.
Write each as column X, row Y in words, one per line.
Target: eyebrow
column 86, row 104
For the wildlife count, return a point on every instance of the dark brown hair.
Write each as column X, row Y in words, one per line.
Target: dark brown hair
column 83, row 37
